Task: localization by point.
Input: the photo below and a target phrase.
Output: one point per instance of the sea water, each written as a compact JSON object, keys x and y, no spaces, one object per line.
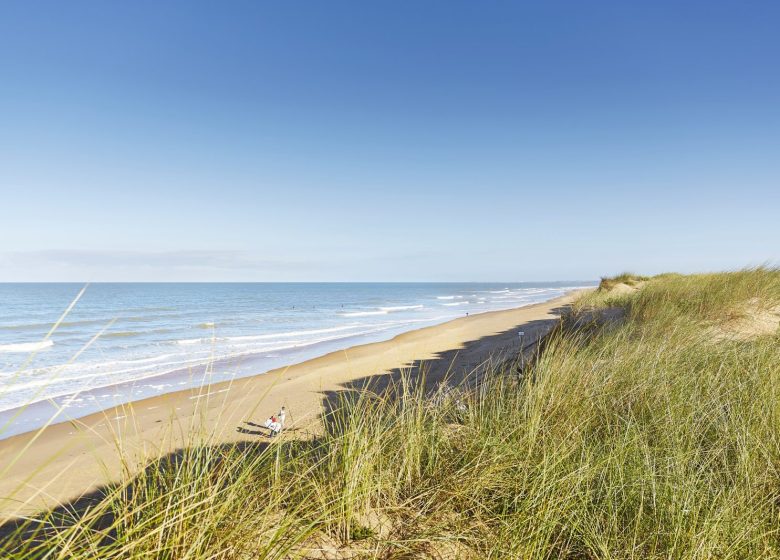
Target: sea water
{"x":123,"y":342}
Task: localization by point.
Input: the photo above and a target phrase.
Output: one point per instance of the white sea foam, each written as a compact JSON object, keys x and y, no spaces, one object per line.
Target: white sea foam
{"x":25,"y":346}
{"x":260,"y":337}
{"x":132,"y":359}
{"x":187,"y":341}
{"x":381,"y":311}
{"x":363,"y":313}
{"x":295,"y":333}
{"x":228,"y":349}
{"x":400,"y":308}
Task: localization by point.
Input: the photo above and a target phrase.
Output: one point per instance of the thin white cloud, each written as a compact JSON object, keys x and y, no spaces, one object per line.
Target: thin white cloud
{"x":112,"y":259}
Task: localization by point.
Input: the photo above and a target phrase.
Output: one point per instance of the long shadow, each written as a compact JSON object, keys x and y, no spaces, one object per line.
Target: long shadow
{"x":466,"y":367}
{"x":463,"y":367}
{"x":22,"y":536}
{"x":247,"y":431}
{"x":451,"y":368}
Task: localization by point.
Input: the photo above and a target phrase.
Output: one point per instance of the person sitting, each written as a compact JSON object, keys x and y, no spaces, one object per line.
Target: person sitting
{"x":276,"y":422}
{"x":273,"y":425}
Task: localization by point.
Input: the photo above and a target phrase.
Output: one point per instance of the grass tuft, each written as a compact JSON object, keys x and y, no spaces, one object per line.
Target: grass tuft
{"x":641,"y":440}
{"x":628,"y":278}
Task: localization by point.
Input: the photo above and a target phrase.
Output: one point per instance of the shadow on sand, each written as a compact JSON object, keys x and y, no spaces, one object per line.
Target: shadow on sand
{"x":452,"y":368}
{"x":461,"y":366}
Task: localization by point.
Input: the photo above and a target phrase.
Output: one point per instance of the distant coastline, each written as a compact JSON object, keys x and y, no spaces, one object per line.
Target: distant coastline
{"x":171,"y":338}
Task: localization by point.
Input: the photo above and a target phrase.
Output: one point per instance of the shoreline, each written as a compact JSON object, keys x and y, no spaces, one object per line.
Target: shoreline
{"x":77,"y":403}
{"x":31,"y":416}
{"x":44,"y":468}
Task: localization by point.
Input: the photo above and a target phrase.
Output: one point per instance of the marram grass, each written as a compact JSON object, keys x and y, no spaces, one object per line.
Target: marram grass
{"x":645,"y":438}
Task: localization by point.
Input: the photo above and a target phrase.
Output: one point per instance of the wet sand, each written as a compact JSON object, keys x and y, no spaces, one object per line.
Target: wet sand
{"x":51,"y":467}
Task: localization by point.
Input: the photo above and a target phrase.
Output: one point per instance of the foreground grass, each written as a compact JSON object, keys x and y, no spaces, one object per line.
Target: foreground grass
{"x":641,"y":439}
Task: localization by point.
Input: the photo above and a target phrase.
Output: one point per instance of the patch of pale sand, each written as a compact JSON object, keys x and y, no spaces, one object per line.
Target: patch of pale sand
{"x":321,"y":546}
{"x":378,"y":522}
{"x":383,"y":542}
{"x":622,"y":288}
{"x":749,"y":321}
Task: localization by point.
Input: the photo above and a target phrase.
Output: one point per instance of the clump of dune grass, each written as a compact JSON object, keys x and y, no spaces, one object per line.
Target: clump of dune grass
{"x":628,"y":278}
{"x":644,"y":440}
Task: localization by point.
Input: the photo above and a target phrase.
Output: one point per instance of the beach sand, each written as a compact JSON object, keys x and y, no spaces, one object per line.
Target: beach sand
{"x":54,"y":466}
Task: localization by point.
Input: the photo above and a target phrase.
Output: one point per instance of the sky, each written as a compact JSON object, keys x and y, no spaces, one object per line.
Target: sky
{"x":386,"y":141}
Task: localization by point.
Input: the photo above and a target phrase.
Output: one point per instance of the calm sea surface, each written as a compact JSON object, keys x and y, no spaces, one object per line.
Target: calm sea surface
{"x":148,"y":339}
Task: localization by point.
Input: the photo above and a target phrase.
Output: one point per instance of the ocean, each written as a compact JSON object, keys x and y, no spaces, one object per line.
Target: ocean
{"x":123,"y":342}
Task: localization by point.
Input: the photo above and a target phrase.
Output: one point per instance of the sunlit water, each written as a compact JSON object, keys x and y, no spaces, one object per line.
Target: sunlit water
{"x":157,"y":338}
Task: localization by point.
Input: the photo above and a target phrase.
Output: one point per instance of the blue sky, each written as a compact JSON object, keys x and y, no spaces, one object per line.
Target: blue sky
{"x":394,"y":141}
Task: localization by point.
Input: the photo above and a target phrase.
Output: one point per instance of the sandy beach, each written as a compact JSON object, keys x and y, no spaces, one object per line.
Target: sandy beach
{"x":63,"y":462}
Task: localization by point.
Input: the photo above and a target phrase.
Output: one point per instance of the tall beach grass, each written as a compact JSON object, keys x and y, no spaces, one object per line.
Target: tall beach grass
{"x":642,"y":437}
